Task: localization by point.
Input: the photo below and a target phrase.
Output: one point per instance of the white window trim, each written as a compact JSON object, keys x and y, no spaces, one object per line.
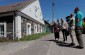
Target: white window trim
{"x":27,"y":29}
{"x":5,"y":34}
{"x":35,"y":30}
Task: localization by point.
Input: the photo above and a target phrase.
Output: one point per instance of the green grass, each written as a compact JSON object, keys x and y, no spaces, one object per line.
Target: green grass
{"x":83,"y":24}
{"x":33,"y":37}
{"x":83,"y":27}
{"x":3,"y":39}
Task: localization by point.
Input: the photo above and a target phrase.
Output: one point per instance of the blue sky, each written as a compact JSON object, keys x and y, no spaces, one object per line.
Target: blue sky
{"x":6,"y":2}
{"x":62,"y":8}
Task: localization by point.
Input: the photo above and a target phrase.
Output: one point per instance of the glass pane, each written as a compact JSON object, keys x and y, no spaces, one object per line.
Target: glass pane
{"x":1,"y":30}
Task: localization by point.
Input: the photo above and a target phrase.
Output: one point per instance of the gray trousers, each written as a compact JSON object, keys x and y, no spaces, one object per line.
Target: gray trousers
{"x":79,"y":36}
{"x":71,"y":34}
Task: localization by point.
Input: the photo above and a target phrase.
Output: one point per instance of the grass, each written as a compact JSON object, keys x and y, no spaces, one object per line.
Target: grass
{"x":83,"y":27}
{"x":4,"y":39}
{"x":25,"y":38}
{"x":33,"y":37}
{"x":83,"y":24}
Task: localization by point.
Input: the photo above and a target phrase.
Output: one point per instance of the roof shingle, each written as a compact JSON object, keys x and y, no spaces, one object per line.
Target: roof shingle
{"x":16,"y":6}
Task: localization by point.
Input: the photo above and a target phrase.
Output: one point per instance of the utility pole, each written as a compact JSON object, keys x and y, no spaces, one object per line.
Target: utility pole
{"x":52,"y":14}
{"x":52,"y":10}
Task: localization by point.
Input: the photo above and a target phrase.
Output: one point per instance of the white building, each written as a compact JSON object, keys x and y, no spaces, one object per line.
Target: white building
{"x":24,"y":18}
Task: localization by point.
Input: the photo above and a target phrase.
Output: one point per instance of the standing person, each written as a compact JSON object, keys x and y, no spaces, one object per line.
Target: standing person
{"x":78,"y":27}
{"x":56,"y":30}
{"x":64,"y":29}
{"x":72,"y":21}
{"x":71,"y":28}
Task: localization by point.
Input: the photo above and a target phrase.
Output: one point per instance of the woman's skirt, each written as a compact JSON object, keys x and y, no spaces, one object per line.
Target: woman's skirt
{"x":56,"y":35}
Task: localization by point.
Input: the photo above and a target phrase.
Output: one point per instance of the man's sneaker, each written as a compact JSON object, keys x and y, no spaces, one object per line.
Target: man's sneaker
{"x":79,"y":47}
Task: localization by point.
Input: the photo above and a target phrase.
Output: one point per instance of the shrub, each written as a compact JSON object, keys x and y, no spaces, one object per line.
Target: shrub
{"x":4,"y":39}
{"x":83,"y":27}
{"x":33,"y":37}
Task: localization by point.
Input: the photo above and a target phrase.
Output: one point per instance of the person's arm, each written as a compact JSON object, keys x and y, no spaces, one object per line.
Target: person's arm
{"x":77,"y":20}
{"x":66,"y":25}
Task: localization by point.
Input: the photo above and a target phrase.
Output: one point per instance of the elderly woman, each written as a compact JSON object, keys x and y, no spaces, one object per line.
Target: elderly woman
{"x":64,"y":29}
{"x":56,"y":30}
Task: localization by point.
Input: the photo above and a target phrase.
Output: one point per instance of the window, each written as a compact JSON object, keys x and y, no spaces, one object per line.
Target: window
{"x":28,"y":28}
{"x":2,"y":29}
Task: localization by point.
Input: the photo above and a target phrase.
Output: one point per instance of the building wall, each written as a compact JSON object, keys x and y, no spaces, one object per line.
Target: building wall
{"x":24,"y":23}
{"x":34,"y":11}
{"x":20,"y":26}
{"x":9,"y":25}
{"x":23,"y":26}
{"x":33,"y":30}
{"x":38,"y":29}
{"x":9,"y":30}
{"x":17,"y":26}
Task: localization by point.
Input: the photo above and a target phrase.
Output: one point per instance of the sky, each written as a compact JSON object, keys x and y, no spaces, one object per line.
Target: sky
{"x":62,"y":8}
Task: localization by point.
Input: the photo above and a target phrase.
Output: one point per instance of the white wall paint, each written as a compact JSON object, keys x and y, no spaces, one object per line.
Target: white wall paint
{"x":30,"y":11}
{"x":41,"y":29}
{"x":18,"y":26}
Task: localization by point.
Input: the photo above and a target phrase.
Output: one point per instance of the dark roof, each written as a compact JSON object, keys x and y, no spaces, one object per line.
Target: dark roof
{"x":16,"y":6}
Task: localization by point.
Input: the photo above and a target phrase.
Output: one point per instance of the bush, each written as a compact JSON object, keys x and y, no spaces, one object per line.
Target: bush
{"x":33,"y":37}
{"x":83,"y":27}
{"x":4,"y":39}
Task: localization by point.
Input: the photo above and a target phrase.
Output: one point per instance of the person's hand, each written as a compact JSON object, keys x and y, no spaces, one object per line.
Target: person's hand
{"x":66,"y":28}
{"x":58,"y":28}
